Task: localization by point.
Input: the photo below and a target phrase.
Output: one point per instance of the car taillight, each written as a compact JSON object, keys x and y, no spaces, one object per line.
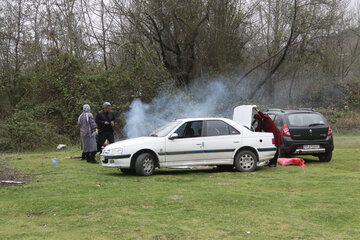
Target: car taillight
{"x":329,"y":130}
{"x":285,"y":132}
{"x":273,"y":141}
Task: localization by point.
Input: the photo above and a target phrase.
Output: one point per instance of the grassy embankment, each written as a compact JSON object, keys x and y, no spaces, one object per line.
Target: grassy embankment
{"x":76,"y":200}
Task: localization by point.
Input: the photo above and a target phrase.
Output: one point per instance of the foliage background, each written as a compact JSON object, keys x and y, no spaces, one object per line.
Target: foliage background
{"x":56,"y":56}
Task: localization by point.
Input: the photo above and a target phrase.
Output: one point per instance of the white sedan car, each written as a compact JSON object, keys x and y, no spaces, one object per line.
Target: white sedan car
{"x":192,"y":142}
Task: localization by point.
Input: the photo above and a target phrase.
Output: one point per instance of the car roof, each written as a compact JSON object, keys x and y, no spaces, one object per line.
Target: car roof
{"x":291,"y":111}
{"x":227,"y":120}
{"x":201,"y":119}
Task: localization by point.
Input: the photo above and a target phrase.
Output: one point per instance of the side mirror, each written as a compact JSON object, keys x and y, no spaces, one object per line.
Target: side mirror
{"x":173,"y":136}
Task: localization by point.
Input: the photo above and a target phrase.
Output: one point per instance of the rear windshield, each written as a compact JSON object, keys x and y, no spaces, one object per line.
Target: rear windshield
{"x":305,"y":119}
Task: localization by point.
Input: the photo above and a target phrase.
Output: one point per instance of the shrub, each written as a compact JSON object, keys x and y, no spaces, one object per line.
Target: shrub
{"x":22,"y":131}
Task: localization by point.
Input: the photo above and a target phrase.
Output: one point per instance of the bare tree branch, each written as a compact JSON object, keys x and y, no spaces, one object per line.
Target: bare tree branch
{"x":270,"y":74}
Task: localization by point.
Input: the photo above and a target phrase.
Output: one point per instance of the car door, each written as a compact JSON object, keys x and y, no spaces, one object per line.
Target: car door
{"x":187,"y":148}
{"x":220,"y":142}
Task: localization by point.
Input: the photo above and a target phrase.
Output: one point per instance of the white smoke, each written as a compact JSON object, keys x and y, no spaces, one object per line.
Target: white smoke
{"x":202,"y":99}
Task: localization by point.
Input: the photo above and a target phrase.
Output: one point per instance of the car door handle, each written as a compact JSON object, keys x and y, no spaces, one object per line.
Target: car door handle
{"x":199,"y":144}
{"x":236,"y":141}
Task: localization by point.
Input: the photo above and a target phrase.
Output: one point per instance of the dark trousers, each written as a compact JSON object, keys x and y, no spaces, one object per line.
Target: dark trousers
{"x":90,"y":156}
{"x":273,"y":161}
{"x":102,"y":138}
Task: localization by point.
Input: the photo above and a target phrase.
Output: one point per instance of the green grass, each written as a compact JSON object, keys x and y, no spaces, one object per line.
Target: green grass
{"x":76,"y":200}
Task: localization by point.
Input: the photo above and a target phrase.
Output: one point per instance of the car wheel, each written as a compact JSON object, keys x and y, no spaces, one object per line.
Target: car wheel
{"x":127,"y":170}
{"x":145,"y":164}
{"x":326,"y":157}
{"x":245,"y":161}
{"x":225,"y":168}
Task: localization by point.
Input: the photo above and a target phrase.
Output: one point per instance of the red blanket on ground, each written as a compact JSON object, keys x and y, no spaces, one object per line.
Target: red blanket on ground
{"x":291,"y":161}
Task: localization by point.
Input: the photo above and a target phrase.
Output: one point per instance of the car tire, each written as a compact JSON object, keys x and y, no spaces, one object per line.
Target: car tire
{"x":245,"y":161}
{"x":326,"y":157}
{"x":225,"y":168}
{"x":145,"y":164}
{"x":127,"y":170}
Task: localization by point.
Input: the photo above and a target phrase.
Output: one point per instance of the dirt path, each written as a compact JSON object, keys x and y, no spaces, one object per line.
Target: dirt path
{"x":7,"y":173}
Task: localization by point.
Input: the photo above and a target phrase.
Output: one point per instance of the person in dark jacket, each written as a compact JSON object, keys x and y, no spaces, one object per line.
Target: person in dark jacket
{"x":105,"y":120}
{"x":266,"y":124}
{"x":88,"y":133}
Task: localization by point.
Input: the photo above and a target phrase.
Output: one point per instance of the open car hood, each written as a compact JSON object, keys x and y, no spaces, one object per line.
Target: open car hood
{"x":243,"y":115}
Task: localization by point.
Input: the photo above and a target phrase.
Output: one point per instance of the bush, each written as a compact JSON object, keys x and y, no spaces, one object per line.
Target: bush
{"x":21,"y":131}
{"x":56,"y":90}
{"x":342,"y":121}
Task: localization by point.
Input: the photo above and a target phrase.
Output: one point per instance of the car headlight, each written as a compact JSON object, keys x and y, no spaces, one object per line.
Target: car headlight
{"x":116,"y":151}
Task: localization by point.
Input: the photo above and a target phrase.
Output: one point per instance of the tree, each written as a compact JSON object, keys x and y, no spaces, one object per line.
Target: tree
{"x":174,"y":27}
{"x":276,"y":33}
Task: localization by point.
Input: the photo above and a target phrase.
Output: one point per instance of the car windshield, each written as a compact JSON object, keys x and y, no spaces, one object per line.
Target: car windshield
{"x":164,"y":130}
{"x":305,"y":120}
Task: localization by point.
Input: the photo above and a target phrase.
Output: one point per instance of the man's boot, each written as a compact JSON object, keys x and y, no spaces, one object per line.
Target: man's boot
{"x":88,"y":157}
{"x":92,"y":157}
{"x":273,"y":162}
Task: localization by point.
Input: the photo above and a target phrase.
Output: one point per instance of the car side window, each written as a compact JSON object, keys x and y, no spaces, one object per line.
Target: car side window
{"x":219,"y":128}
{"x":190,"y":129}
{"x":233,"y":131}
{"x":272,"y":116}
{"x":278,"y":121}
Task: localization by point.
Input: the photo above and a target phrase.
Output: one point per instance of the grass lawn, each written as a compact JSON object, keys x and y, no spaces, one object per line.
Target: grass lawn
{"x":76,"y":200}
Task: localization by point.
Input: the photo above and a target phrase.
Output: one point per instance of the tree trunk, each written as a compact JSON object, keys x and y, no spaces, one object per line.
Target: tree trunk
{"x":271,"y":73}
{"x":17,"y":40}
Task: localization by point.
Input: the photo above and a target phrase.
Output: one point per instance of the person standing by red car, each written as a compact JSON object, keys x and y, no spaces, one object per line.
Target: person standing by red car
{"x":266,"y":124}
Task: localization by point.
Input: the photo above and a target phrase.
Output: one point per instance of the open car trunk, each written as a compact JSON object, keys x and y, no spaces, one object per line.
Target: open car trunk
{"x":243,"y":115}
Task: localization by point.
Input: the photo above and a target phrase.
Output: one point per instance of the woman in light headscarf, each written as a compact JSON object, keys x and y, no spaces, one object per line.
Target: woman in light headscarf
{"x":88,"y":133}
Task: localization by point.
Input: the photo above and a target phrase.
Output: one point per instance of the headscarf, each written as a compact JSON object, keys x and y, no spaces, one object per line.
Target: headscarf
{"x":86,"y":108}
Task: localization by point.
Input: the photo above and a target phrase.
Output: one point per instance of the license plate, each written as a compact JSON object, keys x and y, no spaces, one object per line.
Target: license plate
{"x":102,"y":158}
{"x":311,"y":146}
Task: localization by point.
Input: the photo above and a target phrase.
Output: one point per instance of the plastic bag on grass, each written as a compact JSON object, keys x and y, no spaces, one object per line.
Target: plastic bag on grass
{"x":291,"y":161}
